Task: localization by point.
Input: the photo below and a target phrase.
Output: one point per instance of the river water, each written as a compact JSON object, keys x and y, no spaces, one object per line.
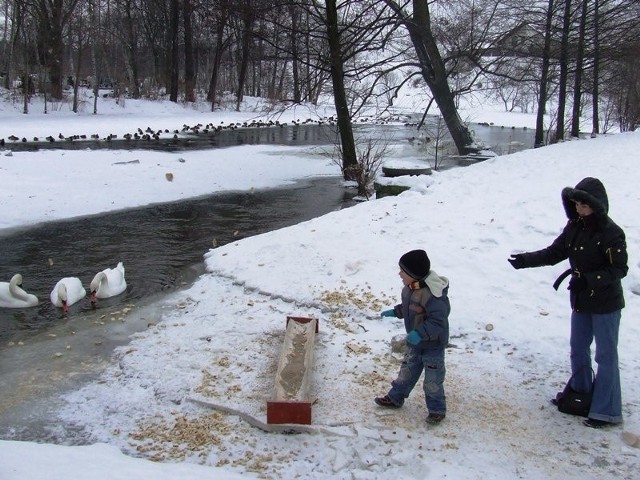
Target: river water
{"x":161,"y":246}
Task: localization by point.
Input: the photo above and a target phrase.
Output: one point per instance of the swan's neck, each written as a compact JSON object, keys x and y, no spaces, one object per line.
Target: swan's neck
{"x":62,"y":292}
{"x":97,"y":281}
{"x":18,"y":292}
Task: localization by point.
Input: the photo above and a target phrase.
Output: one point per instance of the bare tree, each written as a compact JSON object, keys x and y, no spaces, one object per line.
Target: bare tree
{"x":577,"y":82}
{"x":96,"y":44}
{"x":564,"y":71}
{"x":11,"y":24}
{"x":131,"y":45}
{"x":248,"y":15}
{"x":53,"y":19}
{"x":432,"y":68}
{"x":544,"y":77}
{"x":174,"y":52}
{"x":79,"y":34}
{"x":595,"y":94}
{"x":189,"y":68}
{"x":295,"y":14}
{"x":338,"y":35}
{"x":222,"y":41}
{"x":345,"y":129}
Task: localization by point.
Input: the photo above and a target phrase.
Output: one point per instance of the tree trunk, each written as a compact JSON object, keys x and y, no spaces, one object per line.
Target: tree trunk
{"x":55,"y":47}
{"x":271,"y":91}
{"x":345,"y":129}
{"x":76,"y":82}
{"x":294,"y":39}
{"x":595,"y":114}
{"x":95,"y":36}
{"x":220,"y":45}
{"x":247,"y":37}
{"x":12,"y":27}
{"x":256,"y":68}
{"x":577,"y":86}
{"x":173,"y":64}
{"x":52,"y":17}
{"x":280,"y":89}
{"x":433,"y":70}
{"x":311,"y":94}
{"x":26,"y":80}
{"x":564,"y":71}
{"x":189,"y":72}
{"x":544,"y":79}
{"x":132,"y":53}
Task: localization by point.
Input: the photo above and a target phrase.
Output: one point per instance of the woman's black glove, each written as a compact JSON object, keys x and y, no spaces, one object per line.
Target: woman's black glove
{"x":517,"y":261}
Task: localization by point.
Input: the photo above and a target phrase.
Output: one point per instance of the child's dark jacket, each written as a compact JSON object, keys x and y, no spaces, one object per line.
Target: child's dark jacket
{"x":426,"y":310}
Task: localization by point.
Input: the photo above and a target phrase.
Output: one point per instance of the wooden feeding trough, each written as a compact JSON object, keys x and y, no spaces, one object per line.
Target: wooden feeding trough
{"x":291,"y":402}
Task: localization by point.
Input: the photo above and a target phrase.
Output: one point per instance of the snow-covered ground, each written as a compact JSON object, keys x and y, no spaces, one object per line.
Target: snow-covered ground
{"x":219,"y":341}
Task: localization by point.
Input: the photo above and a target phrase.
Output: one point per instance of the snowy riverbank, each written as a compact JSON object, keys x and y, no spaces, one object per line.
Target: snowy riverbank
{"x":219,"y":340}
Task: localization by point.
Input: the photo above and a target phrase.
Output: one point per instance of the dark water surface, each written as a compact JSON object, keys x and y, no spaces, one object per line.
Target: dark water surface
{"x":161,"y":246}
{"x":44,"y":352}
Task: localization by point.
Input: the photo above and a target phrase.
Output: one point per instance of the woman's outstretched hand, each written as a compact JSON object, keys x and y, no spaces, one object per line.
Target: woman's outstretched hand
{"x":517,"y":261}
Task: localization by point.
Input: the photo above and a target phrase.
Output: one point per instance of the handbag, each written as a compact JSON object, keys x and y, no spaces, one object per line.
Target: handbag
{"x":575,"y":403}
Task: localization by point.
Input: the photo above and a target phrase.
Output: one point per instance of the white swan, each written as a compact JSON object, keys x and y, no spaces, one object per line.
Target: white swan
{"x":67,"y":291}
{"x":13,"y":296}
{"x":108,"y":283}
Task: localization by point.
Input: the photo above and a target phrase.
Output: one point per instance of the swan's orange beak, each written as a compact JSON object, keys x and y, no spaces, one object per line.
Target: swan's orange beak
{"x":65,"y":307}
{"x":93,"y":298}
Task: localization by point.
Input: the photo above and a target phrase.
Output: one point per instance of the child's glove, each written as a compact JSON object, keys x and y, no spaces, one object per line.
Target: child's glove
{"x":388,"y":313}
{"x":414,"y":337}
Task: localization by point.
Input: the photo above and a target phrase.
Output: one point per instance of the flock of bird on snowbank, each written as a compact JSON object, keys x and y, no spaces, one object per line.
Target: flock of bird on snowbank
{"x":69,"y":290}
{"x":156,"y":134}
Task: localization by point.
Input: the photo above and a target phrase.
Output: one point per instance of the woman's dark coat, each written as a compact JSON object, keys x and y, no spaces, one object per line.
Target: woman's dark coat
{"x":596,"y":249}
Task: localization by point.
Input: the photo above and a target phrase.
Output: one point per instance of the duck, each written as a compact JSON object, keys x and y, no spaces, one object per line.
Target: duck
{"x":67,"y":291}
{"x":13,"y":296}
{"x":108,"y":283}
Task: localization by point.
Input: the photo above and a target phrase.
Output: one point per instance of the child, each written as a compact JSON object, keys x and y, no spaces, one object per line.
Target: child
{"x":425,"y":309}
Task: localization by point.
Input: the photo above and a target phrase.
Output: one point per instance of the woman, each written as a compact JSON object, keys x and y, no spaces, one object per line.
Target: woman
{"x":597,"y":253}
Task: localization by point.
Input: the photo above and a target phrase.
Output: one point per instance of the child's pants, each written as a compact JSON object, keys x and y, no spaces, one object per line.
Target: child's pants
{"x":416,"y":360}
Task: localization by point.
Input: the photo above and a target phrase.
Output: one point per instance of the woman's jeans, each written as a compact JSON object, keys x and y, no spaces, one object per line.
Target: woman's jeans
{"x":606,"y":404}
{"x":416,"y":360}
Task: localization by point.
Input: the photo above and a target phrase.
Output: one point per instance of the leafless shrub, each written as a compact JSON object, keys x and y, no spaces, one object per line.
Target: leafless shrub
{"x":370,"y":154}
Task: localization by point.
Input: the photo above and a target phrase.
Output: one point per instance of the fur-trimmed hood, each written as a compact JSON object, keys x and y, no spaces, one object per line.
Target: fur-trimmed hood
{"x":436,"y":283}
{"x":589,"y":190}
